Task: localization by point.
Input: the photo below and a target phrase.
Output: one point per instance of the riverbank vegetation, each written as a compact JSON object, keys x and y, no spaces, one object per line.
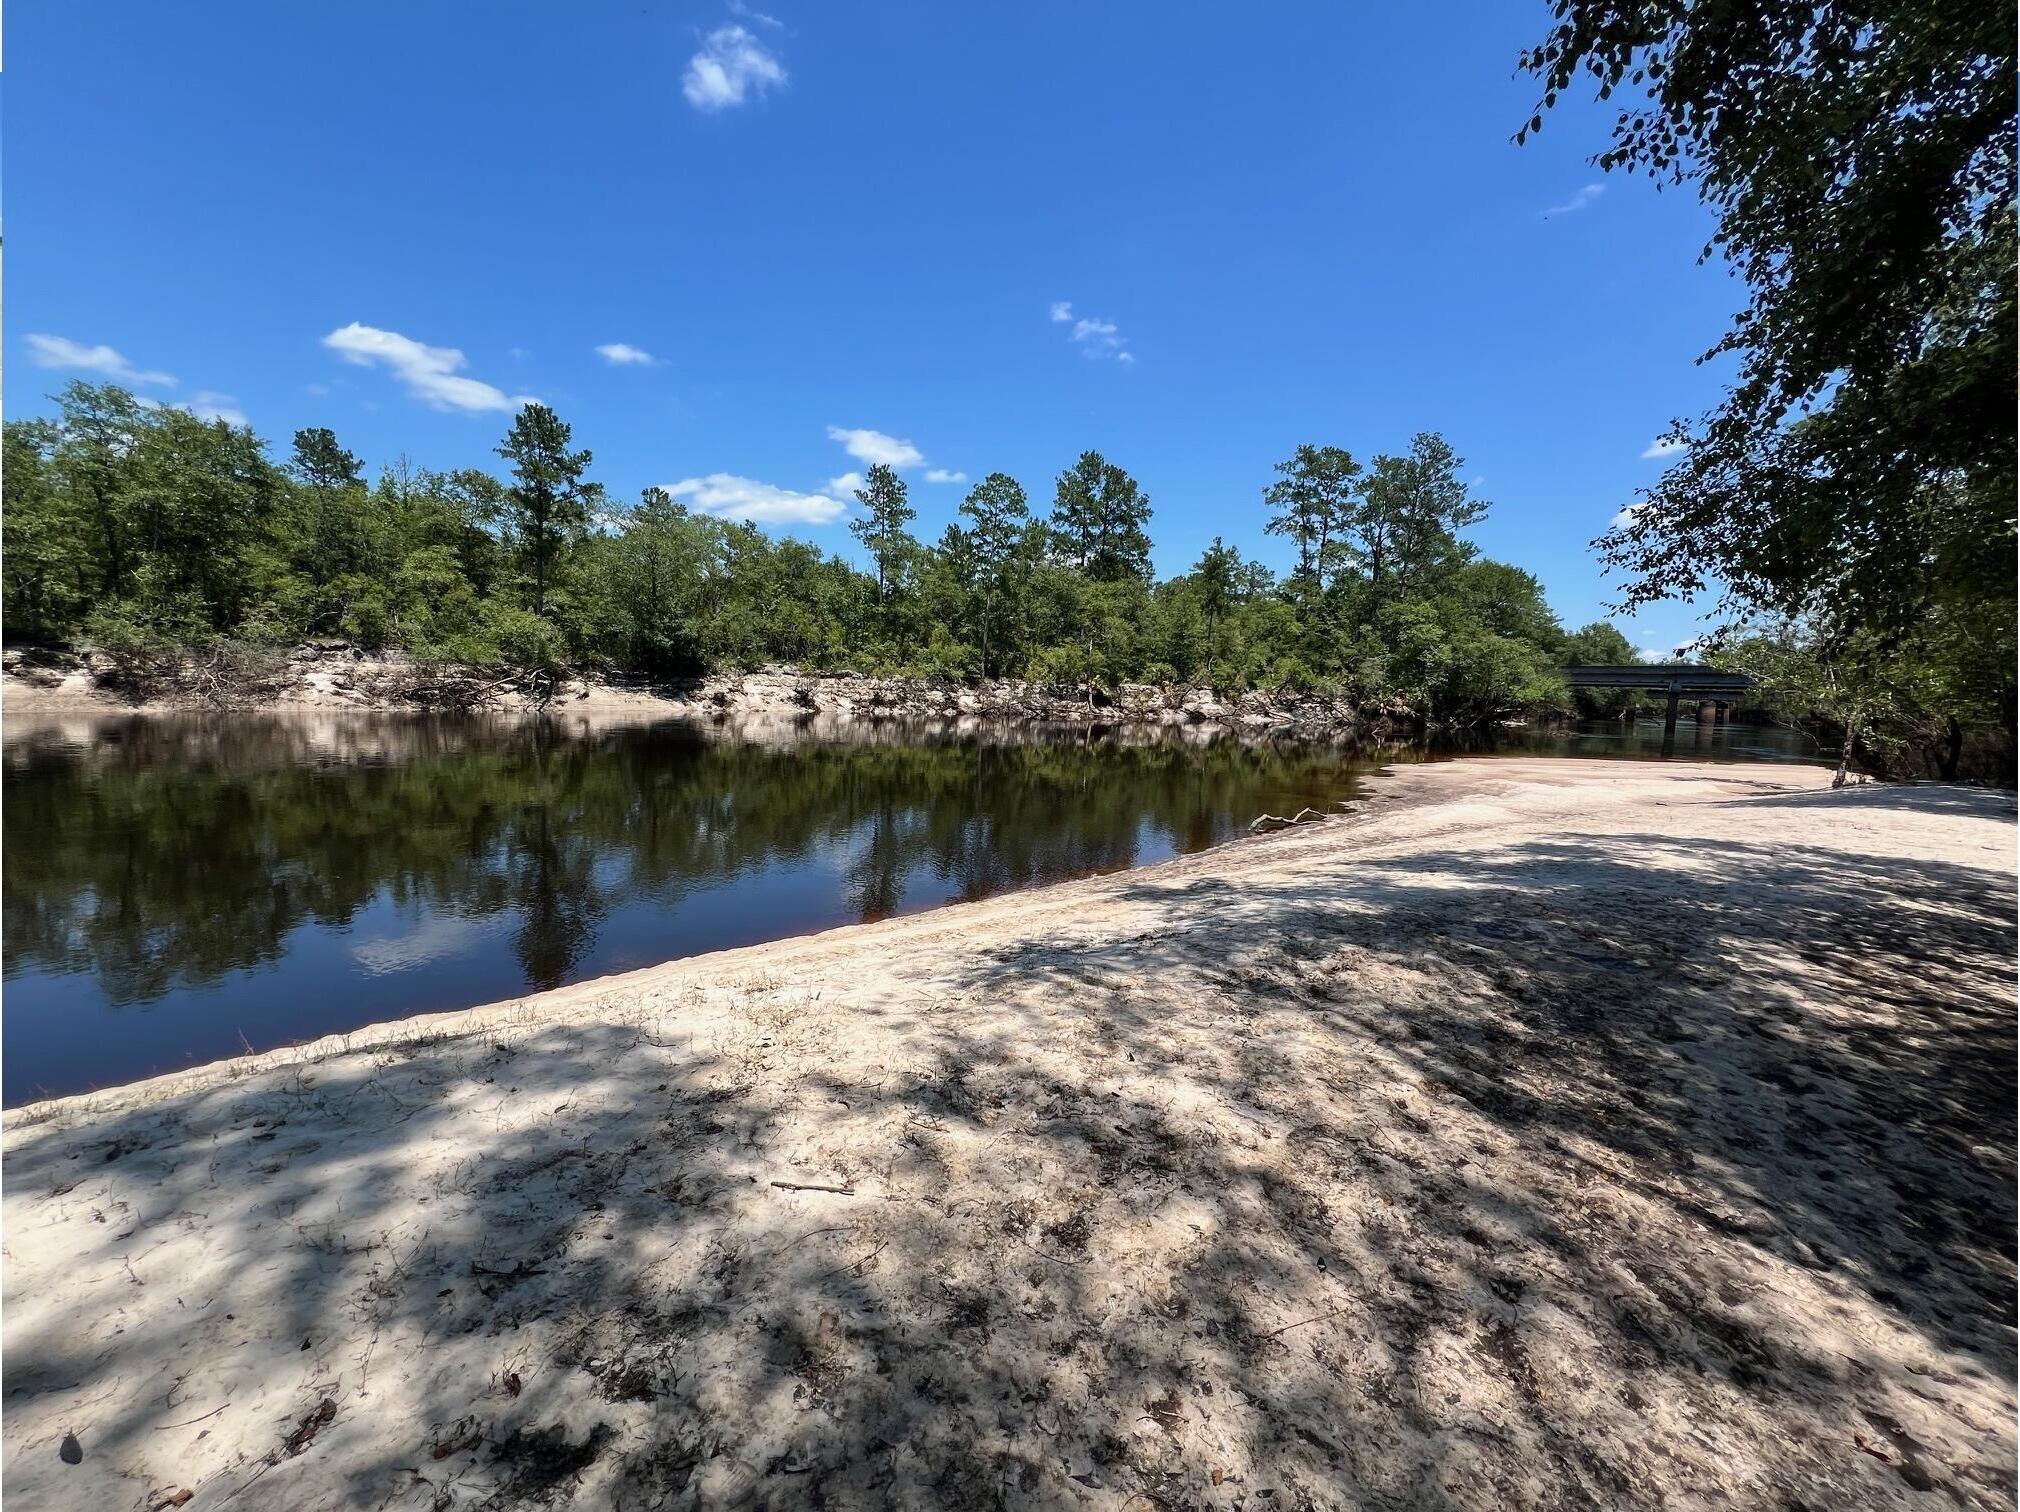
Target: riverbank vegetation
{"x":140,"y":528}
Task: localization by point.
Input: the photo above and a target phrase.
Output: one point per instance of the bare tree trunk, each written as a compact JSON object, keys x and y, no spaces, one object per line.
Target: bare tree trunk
{"x":1839,"y":778}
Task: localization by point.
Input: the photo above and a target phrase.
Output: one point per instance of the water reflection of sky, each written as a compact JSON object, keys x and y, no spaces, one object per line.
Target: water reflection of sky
{"x":413,"y":938}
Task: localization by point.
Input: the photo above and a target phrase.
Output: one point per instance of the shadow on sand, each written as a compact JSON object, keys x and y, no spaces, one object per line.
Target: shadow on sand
{"x":1597,"y":1171}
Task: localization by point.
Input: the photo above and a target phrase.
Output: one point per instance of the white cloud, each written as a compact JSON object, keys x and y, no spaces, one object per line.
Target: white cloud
{"x":1667,"y":446}
{"x":1095,"y":338}
{"x":61,"y":352}
{"x":624,"y":354}
{"x":728,"y":497}
{"x":1584,"y":197}
{"x":1670,"y":653}
{"x":846,"y":485}
{"x":944,"y":475}
{"x":738,"y":8}
{"x":431,"y":374}
{"x":731,"y":64}
{"x":206,"y":405}
{"x":874,"y":446}
{"x":1625,"y":515}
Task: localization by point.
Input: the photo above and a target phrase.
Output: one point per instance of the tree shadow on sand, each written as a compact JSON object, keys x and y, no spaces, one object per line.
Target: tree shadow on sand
{"x":1596,"y":1171}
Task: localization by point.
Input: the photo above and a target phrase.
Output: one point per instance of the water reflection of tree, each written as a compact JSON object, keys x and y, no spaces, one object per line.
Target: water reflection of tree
{"x":557,"y":900}
{"x":157,"y":854}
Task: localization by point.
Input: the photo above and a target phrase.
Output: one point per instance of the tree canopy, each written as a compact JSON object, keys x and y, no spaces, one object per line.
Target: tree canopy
{"x":1858,"y":476}
{"x":135,"y":525}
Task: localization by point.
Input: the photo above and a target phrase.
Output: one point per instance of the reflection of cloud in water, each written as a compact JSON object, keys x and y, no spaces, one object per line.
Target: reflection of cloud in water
{"x":433,"y":939}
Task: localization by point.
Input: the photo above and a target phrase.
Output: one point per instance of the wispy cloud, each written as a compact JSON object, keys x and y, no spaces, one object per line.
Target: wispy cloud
{"x":74,"y":356}
{"x":1667,"y":446}
{"x":738,"y":8}
{"x":431,"y":374}
{"x":1580,"y":201}
{"x":206,"y":405}
{"x":731,"y":67}
{"x":624,"y":354}
{"x":729,"y":497}
{"x":1625,"y":515}
{"x":1096,"y":338}
{"x":871,"y":447}
{"x":846,"y":485}
{"x":945,"y":475}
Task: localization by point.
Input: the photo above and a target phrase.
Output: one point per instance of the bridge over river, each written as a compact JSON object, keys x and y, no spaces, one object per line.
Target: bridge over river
{"x":1714,"y":690}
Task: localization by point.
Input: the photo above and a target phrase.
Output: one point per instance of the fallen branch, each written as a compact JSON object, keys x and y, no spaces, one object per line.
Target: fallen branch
{"x":163,"y":1428}
{"x":814,"y":1186}
{"x":1317,"y":1318}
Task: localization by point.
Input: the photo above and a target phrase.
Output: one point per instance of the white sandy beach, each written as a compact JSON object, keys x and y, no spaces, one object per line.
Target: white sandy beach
{"x":1548,"y":1133}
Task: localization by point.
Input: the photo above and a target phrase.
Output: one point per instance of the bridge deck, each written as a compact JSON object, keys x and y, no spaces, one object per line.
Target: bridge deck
{"x":1656,"y":679}
{"x":1676,"y":681}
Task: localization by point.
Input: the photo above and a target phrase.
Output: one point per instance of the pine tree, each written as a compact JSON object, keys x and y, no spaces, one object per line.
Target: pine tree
{"x":548,"y":503}
{"x":882,"y":529}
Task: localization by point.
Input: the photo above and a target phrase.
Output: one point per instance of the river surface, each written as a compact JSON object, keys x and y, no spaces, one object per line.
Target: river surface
{"x":176,"y":890}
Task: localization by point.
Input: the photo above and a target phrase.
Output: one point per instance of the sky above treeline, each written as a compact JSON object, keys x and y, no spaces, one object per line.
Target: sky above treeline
{"x":746,"y":253}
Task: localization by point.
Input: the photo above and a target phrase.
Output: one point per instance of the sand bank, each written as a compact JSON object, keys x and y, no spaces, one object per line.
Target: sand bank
{"x":1550,"y":1133}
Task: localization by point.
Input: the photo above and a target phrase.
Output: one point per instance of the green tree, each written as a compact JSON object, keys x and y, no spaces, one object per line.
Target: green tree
{"x":99,"y":429}
{"x":322,"y":464}
{"x":333,"y":537}
{"x":998,"y":510}
{"x":662,"y":559}
{"x":1315,"y":500}
{"x":1102,"y":517}
{"x":1860,"y":160}
{"x":1598,"y":644}
{"x":1405,"y":530}
{"x":1218,"y":575}
{"x":203,"y":494}
{"x":882,"y":528}
{"x":548,"y":504}
{"x":44,"y":569}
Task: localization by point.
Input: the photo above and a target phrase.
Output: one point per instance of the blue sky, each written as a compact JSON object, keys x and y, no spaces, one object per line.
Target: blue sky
{"x":749,"y":252}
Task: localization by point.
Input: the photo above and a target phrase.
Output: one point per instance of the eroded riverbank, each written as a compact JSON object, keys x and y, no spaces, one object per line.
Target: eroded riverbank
{"x":336,"y":677}
{"x":1551,"y":1131}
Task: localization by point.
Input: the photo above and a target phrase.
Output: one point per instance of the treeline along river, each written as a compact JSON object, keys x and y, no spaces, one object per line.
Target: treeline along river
{"x":182,"y":889}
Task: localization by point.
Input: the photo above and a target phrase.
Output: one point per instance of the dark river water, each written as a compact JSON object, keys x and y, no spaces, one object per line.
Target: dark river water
{"x":178,"y":890}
